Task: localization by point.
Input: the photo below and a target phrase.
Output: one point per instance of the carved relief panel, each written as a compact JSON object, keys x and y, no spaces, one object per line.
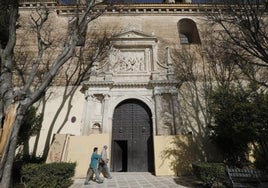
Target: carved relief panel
{"x":127,"y":61}
{"x":132,"y":54}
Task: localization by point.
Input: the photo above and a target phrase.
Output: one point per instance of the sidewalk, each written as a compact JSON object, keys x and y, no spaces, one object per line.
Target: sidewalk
{"x":135,"y":180}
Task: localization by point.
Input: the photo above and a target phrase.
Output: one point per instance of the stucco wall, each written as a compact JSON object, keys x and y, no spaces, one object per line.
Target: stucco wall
{"x":80,"y":148}
{"x":173,"y":155}
{"x":162,"y":164}
{"x":71,"y":110}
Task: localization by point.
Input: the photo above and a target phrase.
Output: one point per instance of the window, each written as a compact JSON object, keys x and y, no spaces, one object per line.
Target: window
{"x":188,"y":32}
{"x":184,"y":39}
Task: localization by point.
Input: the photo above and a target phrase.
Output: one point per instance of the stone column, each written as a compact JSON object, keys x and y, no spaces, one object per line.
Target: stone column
{"x":87,"y":114}
{"x":176,"y":111}
{"x":167,"y":116}
{"x":158,"y":109}
{"x":105,"y":109}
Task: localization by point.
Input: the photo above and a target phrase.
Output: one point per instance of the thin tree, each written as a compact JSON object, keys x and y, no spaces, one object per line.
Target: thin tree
{"x":14,"y":100}
{"x":79,"y":73}
{"x":202,"y":68}
{"x":244,"y":25}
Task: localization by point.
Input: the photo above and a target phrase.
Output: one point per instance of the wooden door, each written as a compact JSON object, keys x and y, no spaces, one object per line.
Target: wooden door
{"x":132,"y":144}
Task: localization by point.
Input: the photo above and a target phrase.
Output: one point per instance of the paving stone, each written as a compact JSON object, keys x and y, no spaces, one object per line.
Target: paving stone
{"x":131,"y":180}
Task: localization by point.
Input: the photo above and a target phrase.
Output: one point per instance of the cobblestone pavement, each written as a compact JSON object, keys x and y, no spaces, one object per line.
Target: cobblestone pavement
{"x":133,"y":180}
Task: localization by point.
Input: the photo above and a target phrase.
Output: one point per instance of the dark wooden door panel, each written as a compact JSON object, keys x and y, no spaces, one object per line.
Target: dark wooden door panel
{"x":117,"y":156}
{"x":132,"y":124}
{"x":120,"y":155}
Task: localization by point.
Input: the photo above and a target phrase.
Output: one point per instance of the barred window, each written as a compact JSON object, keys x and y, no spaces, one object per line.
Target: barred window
{"x":188,"y":32}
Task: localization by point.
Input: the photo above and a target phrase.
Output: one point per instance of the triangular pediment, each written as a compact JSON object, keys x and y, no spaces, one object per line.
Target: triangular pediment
{"x":133,"y":35}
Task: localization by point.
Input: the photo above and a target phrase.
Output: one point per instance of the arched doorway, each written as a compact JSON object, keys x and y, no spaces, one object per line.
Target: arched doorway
{"x":132,"y":142}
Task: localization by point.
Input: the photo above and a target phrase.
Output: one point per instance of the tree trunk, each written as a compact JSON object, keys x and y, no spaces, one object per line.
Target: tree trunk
{"x":10,"y":147}
{"x":10,"y":116}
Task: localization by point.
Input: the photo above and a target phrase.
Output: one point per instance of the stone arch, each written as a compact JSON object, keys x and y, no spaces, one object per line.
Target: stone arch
{"x":132,"y":137}
{"x":188,"y":32}
{"x":148,"y":101}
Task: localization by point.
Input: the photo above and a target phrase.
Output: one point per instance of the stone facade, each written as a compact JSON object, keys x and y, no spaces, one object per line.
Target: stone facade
{"x":138,"y":66}
{"x":132,"y":71}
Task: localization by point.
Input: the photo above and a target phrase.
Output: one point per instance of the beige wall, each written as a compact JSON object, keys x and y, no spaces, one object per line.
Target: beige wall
{"x":51,"y":108}
{"x":162,"y":164}
{"x":80,"y":148}
{"x":173,"y":155}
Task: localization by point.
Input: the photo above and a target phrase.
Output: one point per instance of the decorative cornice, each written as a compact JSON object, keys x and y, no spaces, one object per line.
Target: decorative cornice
{"x":98,"y":83}
{"x":131,"y":84}
{"x":133,"y":35}
{"x":162,"y":83}
{"x":35,"y":4}
{"x":152,"y":9}
{"x":95,"y":84}
{"x":111,"y":84}
{"x":126,"y":9}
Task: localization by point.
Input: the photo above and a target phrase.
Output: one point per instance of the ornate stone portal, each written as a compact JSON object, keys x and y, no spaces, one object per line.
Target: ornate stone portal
{"x":132,"y":71}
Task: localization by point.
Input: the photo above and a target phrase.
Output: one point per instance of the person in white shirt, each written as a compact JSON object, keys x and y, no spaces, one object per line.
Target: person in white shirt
{"x":103,"y":163}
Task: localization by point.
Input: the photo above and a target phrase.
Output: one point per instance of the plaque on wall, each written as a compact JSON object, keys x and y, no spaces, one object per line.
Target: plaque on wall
{"x":127,"y":61}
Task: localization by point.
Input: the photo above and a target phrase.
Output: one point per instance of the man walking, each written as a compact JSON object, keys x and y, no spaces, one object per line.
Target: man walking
{"x":93,"y":167}
{"x":103,"y":163}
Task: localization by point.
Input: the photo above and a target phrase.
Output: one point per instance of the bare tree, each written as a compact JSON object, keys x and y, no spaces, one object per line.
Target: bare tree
{"x":244,"y":26}
{"x":202,"y":68}
{"x":15,"y":97}
{"x":80,"y":67}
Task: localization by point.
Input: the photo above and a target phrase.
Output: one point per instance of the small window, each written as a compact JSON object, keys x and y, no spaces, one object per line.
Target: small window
{"x":184,"y":39}
{"x":188,"y":32}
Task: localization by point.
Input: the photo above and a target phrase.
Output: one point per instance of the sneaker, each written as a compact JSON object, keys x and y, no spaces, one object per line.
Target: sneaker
{"x":99,"y":181}
{"x":86,"y":183}
{"x":110,"y":177}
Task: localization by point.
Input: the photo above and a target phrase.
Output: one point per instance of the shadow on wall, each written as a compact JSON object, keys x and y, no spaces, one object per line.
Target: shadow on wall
{"x":183,"y":150}
{"x":181,"y":153}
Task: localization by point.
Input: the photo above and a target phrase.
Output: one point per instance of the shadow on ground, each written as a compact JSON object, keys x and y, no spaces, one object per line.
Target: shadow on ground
{"x":188,"y":181}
